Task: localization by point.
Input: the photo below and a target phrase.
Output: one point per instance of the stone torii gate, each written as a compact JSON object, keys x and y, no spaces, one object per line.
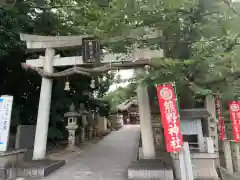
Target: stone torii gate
{"x":49,"y":44}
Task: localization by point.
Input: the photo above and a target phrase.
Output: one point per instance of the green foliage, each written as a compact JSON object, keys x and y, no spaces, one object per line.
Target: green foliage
{"x":24,"y":86}
{"x":200,"y":40}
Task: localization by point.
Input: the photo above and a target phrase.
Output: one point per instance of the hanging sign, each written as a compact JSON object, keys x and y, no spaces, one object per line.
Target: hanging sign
{"x":5,"y":120}
{"x":170,"y":117}
{"x":221,"y":124}
{"x":91,"y":50}
{"x":234,"y":111}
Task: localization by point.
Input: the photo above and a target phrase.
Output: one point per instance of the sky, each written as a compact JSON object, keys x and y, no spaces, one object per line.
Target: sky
{"x":125,"y":74}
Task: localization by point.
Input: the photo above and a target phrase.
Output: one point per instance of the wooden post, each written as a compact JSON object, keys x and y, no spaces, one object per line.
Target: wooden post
{"x":40,"y":142}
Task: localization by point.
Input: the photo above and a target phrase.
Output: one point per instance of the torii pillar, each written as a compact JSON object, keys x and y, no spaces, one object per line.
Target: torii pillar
{"x":41,"y":134}
{"x":148,"y":147}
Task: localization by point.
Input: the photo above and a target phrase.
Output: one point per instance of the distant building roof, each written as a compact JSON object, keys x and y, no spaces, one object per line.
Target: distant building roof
{"x":126,"y":104}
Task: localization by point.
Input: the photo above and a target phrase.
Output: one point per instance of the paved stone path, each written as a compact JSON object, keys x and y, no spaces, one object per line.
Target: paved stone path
{"x":107,"y":160}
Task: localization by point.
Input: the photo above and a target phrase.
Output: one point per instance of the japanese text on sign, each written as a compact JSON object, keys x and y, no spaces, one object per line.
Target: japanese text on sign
{"x":5,"y":118}
{"x":220,"y":119}
{"x":170,"y":117}
{"x":234,"y":110}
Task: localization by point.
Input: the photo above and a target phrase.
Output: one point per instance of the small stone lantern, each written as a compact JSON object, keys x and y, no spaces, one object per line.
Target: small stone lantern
{"x":72,"y":126}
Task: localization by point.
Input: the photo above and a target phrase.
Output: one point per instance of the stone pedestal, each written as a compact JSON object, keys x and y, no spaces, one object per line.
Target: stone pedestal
{"x":71,"y":136}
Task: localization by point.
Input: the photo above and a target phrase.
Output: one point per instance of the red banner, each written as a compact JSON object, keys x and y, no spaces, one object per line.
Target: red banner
{"x":220,"y":119}
{"x":234,"y":111}
{"x":170,"y":117}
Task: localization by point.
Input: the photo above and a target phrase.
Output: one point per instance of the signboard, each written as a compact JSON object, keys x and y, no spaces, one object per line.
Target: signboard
{"x":234,"y":111}
{"x":221,"y":124}
{"x":5,"y":120}
{"x":170,"y":117}
{"x":91,"y":50}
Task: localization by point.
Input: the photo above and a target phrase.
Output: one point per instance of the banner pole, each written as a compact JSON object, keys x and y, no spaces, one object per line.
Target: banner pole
{"x":177,"y":102}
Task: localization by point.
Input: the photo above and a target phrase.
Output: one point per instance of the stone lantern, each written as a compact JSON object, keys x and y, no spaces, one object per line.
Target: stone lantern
{"x":72,"y":126}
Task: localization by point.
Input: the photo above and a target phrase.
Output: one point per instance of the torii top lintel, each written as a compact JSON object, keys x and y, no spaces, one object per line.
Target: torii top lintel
{"x":42,"y":42}
{"x":37,"y":42}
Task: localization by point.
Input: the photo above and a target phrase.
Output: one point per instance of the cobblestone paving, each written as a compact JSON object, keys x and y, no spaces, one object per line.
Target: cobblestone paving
{"x":106,"y":160}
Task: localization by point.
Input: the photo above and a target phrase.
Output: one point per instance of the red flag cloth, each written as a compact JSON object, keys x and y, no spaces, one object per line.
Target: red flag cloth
{"x":220,"y":119}
{"x":170,"y":117}
{"x":234,"y":111}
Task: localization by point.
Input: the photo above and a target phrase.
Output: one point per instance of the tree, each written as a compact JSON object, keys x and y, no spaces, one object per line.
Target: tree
{"x":198,"y":53}
{"x":200,"y":43}
{"x":25,"y":86}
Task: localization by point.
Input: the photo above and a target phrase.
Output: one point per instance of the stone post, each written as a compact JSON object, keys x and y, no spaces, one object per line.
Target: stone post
{"x":84,"y":123}
{"x":90,"y":133}
{"x":210,"y":105}
{"x":91,"y":126}
{"x":187,"y":160}
{"x":83,"y":113}
{"x":182,"y":163}
{"x":145,"y":123}
{"x":227,"y":156}
{"x":212,"y":122}
{"x":82,"y":134}
{"x":209,"y":145}
{"x":41,"y":134}
{"x":235,"y":156}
